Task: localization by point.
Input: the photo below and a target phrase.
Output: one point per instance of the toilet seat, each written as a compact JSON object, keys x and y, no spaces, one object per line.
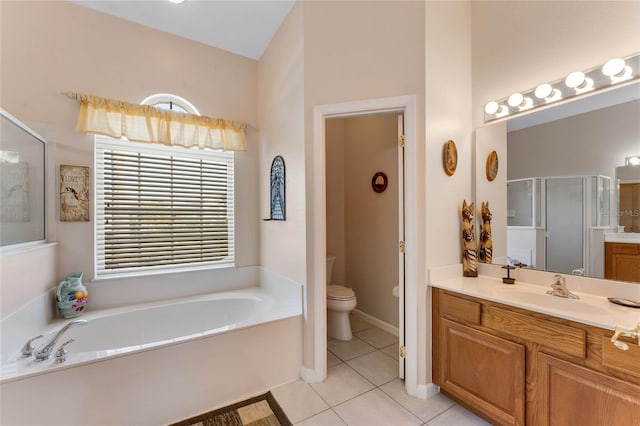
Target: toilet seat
{"x":339,"y":292}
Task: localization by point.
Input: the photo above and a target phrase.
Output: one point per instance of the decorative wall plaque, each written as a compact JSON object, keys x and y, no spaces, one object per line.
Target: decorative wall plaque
{"x":278,"y":211}
{"x":449,"y":157}
{"x":74,"y":193}
{"x":492,"y":166}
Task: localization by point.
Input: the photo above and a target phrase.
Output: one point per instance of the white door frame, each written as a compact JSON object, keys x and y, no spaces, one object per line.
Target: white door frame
{"x":407,"y":105}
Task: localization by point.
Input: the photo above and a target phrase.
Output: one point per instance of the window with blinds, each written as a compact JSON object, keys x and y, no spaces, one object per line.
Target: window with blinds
{"x":160,"y":208}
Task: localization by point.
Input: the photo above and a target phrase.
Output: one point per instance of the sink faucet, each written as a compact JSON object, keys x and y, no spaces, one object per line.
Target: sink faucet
{"x":45,"y":352}
{"x":559,"y":288}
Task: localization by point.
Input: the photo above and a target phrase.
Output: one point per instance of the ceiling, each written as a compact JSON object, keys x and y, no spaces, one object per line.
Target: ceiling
{"x":244,"y":27}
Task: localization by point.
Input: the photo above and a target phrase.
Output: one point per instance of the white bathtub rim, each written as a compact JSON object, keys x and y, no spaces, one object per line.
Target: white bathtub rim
{"x":23,"y":368}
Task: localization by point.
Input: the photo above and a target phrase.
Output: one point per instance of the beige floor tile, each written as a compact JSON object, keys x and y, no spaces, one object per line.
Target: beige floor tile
{"x":377,"y":338}
{"x":342,"y":383}
{"x":457,"y":416}
{"x":376,"y":367}
{"x":425,"y":409}
{"x":298,"y":400}
{"x":332,"y":360}
{"x":346,"y":350}
{"x":358,"y":324}
{"x":375,"y":408}
{"x":326,"y":418}
{"x":392,"y":350}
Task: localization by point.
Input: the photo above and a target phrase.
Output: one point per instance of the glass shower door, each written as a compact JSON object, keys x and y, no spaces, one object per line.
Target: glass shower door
{"x":565,"y":224}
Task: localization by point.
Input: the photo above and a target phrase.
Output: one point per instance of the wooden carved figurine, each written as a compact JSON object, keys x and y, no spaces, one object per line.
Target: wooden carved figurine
{"x":469,"y":253}
{"x":485,"y":251}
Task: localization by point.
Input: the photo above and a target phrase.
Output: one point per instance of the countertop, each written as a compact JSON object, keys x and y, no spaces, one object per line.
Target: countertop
{"x":590,"y":309}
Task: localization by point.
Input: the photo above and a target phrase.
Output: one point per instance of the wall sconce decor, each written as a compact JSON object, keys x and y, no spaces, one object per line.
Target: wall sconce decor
{"x":449,"y":157}
{"x":379,"y":182}
{"x":615,"y":72}
{"x":278,"y":194}
{"x":492,"y":166}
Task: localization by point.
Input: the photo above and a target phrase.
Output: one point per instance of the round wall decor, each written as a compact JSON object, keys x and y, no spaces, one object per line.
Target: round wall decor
{"x":379,"y":182}
{"x":449,"y":157}
{"x":492,"y":166}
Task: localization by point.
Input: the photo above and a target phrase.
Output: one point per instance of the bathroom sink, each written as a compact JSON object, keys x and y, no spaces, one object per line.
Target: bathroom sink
{"x":544,"y":300}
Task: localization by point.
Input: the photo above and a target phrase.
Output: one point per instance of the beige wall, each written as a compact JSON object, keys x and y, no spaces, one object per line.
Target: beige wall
{"x":369,"y":229}
{"x":280,"y":111}
{"x":53,"y":47}
{"x":355,"y":51}
{"x":448,"y":116}
{"x":335,"y":174}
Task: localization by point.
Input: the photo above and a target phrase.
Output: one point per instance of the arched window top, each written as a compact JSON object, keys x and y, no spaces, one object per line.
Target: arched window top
{"x":171,"y":103}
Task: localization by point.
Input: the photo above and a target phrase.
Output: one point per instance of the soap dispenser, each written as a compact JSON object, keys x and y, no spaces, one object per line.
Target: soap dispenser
{"x":72,"y":296}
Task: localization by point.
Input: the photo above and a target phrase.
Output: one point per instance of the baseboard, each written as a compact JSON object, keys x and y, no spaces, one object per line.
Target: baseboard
{"x":378,"y":323}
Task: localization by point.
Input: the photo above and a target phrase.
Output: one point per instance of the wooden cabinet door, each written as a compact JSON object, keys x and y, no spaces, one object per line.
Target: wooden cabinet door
{"x":574,"y":395}
{"x":622,"y":261}
{"x":485,"y":371}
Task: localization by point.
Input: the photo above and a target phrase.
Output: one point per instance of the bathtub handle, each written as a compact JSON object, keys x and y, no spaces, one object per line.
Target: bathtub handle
{"x":61,"y":353}
{"x":27,"y":349}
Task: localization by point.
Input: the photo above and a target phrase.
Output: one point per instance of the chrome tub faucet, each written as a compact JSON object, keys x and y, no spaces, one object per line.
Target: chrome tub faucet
{"x":559,"y":288}
{"x":45,"y":352}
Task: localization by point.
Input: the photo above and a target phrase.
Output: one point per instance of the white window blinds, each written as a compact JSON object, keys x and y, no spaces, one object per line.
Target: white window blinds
{"x":161,"y":208}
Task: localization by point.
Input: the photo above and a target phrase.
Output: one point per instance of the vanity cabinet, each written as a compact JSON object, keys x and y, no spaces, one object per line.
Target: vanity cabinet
{"x":515,"y":367}
{"x":622,"y":261}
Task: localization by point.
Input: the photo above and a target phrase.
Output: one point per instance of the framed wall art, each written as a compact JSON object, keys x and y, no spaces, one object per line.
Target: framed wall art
{"x":74,"y":193}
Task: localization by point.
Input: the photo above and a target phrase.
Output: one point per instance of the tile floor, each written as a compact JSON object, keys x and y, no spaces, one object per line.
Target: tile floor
{"x":363,"y":388}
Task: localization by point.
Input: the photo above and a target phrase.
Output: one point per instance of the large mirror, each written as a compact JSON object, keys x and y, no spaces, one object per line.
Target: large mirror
{"x":564,"y":190}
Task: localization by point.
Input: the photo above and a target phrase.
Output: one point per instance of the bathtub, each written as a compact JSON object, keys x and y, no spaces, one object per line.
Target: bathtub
{"x":158,"y":362}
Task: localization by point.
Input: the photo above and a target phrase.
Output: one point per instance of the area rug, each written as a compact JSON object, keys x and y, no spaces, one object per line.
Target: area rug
{"x":262,"y":410}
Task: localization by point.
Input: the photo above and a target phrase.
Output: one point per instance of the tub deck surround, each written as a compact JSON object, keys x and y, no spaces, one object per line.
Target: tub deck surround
{"x":592,"y":308}
{"x":123,"y":330}
{"x":173,"y":359}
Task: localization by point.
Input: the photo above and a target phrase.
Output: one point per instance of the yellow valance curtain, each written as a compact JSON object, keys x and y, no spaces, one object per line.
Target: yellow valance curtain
{"x":146,"y":123}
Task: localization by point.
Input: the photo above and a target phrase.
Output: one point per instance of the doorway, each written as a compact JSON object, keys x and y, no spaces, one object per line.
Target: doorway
{"x":408,"y":339}
{"x":364,"y":205}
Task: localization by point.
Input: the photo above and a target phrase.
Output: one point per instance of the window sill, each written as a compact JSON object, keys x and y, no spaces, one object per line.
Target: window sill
{"x":132,"y":274}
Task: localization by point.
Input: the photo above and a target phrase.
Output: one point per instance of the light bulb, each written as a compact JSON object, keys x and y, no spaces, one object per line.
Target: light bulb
{"x":543,"y":91}
{"x":613,"y":67}
{"x":491,"y":108}
{"x":575,"y":79}
{"x":515,"y":99}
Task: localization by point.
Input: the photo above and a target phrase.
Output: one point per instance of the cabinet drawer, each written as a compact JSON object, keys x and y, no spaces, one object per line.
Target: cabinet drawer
{"x":458,"y":309}
{"x":624,"y":248}
{"x":627,"y":361}
{"x":560,"y":337}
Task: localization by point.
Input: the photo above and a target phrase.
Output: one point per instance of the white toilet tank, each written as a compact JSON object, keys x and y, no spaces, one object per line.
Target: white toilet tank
{"x":330,"y":260}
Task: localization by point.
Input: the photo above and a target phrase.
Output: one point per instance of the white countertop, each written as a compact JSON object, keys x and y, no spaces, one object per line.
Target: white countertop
{"x":622,"y":237}
{"x":589,"y":309}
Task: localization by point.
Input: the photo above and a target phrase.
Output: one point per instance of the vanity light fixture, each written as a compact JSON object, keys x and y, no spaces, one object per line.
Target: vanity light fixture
{"x":176,"y":1}
{"x":615,"y":71}
{"x":634,"y":160}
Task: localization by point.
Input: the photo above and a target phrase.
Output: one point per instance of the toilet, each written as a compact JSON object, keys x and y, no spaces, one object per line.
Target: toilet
{"x":341,"y":301}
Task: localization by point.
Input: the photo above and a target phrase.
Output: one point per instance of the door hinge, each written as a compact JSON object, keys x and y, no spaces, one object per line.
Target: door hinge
{"x":401,"y":246}
{"x":401,"y":141}
{"x":403,"y":351}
